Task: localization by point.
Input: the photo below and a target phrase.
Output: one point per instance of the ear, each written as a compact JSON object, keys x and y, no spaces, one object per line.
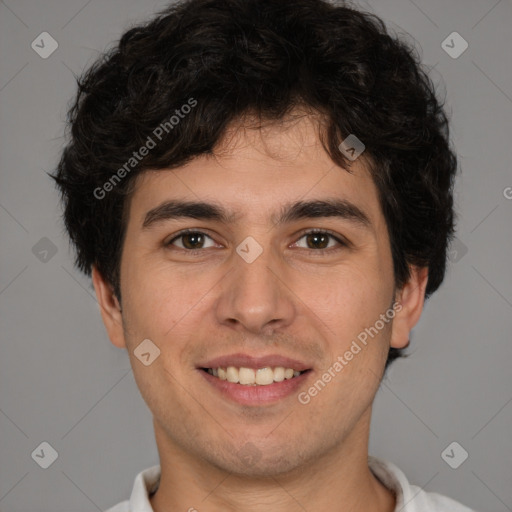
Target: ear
{"x":110,"y":309}
{"x":411,"y":299}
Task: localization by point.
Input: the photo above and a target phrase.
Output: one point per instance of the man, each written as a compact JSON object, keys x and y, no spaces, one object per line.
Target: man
{"x":262,"y":193}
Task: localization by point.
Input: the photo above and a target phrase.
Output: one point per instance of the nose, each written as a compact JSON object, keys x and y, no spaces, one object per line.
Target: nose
{"x":257,"y":296}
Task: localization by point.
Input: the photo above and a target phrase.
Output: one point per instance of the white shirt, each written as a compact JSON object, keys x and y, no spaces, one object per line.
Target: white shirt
{"x":409,"y":498}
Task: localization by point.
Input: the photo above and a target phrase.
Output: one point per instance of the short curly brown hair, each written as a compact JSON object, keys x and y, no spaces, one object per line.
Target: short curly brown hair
{"x":264,"y":56}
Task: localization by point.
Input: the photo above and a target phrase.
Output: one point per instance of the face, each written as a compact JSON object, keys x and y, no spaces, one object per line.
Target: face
{"x":294,"y":290}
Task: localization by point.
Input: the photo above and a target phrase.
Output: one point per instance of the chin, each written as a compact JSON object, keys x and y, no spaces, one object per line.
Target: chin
{"x":253,"y":462}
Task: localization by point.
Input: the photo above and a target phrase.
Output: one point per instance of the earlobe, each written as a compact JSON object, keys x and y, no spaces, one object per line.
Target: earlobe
{"x":110,"y":309}
{"x":411,"y":299}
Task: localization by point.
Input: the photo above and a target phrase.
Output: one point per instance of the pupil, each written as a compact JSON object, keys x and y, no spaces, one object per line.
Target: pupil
{"x":316,"y":237}
{"x":189,"y":236}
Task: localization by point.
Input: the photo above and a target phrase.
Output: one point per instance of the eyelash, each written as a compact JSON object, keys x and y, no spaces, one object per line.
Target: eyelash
{"x":319,"y":252}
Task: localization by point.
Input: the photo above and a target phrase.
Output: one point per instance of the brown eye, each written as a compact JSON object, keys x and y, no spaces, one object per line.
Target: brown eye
{"x":191,"y":240}
{"x":319,"y":240}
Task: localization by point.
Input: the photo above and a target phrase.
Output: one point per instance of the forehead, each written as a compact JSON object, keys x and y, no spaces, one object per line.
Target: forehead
{"x":254,"y":171}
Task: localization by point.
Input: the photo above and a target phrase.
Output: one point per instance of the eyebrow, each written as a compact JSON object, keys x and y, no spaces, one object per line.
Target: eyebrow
{"x":290,"y":212}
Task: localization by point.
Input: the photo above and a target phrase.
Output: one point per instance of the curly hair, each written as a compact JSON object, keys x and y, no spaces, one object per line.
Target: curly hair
{"x":233,"y":57}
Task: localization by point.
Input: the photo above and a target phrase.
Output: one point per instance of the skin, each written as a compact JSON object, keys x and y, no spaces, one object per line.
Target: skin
{"x":288,"y":301}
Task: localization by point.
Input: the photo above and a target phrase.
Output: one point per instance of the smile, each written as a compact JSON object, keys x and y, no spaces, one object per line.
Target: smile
{"x":246,"y":391}
{"x":253,"y":377}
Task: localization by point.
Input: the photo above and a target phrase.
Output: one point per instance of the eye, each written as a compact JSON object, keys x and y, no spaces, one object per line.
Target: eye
{"x":191,"y":240}
{"x":318,"y":240}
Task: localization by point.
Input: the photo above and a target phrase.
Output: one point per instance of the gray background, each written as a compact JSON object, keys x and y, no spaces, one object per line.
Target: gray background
{"x":61,"y":381}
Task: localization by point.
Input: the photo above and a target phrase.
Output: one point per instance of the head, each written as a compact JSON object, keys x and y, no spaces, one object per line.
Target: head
{"x":246,"y":104}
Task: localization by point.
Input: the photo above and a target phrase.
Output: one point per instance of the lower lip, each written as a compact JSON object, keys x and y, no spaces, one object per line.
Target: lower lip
{"x":256,"y":395}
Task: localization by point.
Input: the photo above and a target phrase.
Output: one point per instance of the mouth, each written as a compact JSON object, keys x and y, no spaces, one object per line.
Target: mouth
{"x":254,"y":377}
{"x":255,"y":381}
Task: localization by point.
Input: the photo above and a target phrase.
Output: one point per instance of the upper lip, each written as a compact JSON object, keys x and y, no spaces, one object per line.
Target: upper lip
{"x":238,"y":360}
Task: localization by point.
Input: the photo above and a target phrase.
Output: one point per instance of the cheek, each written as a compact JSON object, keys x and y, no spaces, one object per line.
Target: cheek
{"x":158,"y":292}
{"x":348,"y":298}
{"x":170,"y":307}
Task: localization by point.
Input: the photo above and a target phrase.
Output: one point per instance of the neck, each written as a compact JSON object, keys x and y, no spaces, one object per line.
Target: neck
{"x":339,"y":480}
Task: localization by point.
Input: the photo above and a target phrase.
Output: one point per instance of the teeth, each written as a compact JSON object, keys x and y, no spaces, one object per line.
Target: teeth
{"x":279,"y":374}
{"x":264,"y":376}
{"x":250,"y":377}
{"x":232,"y":374}
{"x":246,"y":376}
